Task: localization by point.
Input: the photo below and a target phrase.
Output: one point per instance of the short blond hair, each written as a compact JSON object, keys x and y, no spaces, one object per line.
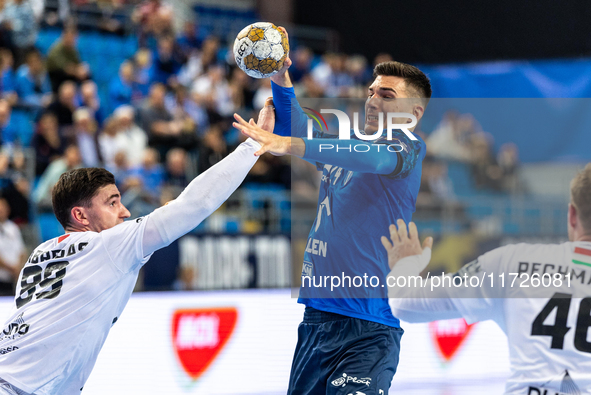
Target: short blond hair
{"x":580,"y":195}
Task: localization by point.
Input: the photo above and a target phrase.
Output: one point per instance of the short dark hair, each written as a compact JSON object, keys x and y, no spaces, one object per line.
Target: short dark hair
{"x":413,"y":77}
{"x":77,"y":187}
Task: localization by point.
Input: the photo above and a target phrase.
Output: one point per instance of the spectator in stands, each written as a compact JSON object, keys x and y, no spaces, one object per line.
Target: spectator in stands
{"x":42,"y":193}
{"x":131,"y":139}
{"x":64,"y":106}
{"x":5,"y":34}
{"x":241,"y":87}
{"x":153,"y":18}
{"x":12,"y":251}
{"x":382,"y":57}
{"x":451,"y":139}
{"x":213,"y":148}
{"x":212,"y":91}
{"x":121,"y":88}
{"x":14,"y":186}
{"x":63,"y":60}
{"x":23,"y":25}
{"x":167,"y":62}
{"x":32,"y":82}
{"x":107,"y":142}
{"x":322,"y":73}
{"x":356,"y":67}
{"x":436,"y":188}
{"x":150,"y":172}
{"x":339,"y":82}
{"x":176,"y":177}
{"x":263,"y":92}
{"x":164,"y":132}
{"x":485,"y":170}
{"x":7,"y":77}
{"x":508,"y":160}
{"x":89,"y":98}
{"x":143,"y":72}
{"x":185,"y":109}
{"x":188,"y":40}
{"x":8,"y":131}
{"x":47,"y":142}
{"x":85,"y":137}
{"x":302,"y":63}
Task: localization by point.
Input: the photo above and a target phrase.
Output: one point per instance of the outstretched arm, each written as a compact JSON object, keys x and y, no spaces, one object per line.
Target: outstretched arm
{"x":291,"y":119}
{"x":204,"y":194}
{"x":406,"y":257}
{"x":352,"y":155}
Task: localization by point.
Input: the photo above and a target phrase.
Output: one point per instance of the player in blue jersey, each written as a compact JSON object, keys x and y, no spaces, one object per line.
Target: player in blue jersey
{"x":349,"y":341}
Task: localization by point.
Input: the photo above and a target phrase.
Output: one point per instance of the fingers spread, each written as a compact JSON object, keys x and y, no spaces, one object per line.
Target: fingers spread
{"x":240,"y":119}
{"x":402,"y":232}
{"x":394,"y":234}
{"x":387,"y":245}
{"x":413,"y":232}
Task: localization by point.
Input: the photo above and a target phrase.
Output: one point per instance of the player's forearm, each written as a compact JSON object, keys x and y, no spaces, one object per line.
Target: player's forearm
{"x":352,"y":155}
{"x":424,"y":309}
{"x":201,"y":198}
{"x":286,"y":108}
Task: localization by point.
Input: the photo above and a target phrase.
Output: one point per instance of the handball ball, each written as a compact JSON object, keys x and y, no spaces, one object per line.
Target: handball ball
{"x":260,"y":49}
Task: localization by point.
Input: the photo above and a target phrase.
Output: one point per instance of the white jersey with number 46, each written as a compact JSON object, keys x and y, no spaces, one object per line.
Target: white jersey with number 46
{"x":70,"y":293}
{"x":540,"y":295}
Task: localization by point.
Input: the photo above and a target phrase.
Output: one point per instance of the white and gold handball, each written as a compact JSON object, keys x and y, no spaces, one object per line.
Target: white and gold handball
{"x":260,"y":49}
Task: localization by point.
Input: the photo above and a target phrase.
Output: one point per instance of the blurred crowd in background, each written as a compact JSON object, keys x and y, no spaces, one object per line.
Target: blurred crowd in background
{"x":166,"y":117}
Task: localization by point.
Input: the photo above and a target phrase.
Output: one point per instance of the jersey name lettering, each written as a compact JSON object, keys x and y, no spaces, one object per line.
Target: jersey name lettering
{"x":41,"y":256}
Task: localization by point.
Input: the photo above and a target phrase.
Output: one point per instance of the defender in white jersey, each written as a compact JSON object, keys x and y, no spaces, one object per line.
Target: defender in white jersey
{"x":73,"y":288}
{"x":545,"y":312}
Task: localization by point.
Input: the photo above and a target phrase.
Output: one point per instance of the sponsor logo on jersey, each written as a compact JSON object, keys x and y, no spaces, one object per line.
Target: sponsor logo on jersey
{"x":346,"y":379}
{"x":562,"y":385}
{"x":15,"y":329}
{"x":449,"y":335}
{"x":7,"y":350}
{"x":307,"y":269}
{"x":198,"y":336}
{"x":316,"y":247}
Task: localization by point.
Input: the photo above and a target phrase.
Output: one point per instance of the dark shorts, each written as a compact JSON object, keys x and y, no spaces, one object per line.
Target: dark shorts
{"x":341,"y":355}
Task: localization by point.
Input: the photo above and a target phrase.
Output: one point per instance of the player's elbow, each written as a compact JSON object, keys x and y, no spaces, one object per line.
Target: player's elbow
{"x":388,"y":166}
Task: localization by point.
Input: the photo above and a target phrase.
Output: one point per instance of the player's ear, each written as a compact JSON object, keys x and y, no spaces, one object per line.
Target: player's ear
{"x":79,"y":216}
{"x":418,"y":110}
{"x":572,"y":216}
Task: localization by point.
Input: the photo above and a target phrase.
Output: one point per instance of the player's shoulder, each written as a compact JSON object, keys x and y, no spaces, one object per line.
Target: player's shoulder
{"x":531,"y":250}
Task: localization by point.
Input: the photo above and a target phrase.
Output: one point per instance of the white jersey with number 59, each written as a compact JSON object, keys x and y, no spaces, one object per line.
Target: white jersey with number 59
{"x":70,"y":292}
{"x":540,"y":295}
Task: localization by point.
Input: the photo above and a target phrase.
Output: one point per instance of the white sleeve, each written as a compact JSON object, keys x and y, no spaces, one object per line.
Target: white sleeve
{"x":484,"y":302}
{"x":199,"y":199}
{"x":133,"y":242}
{"x":454,"y":297}
{"x":417,"y":304}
